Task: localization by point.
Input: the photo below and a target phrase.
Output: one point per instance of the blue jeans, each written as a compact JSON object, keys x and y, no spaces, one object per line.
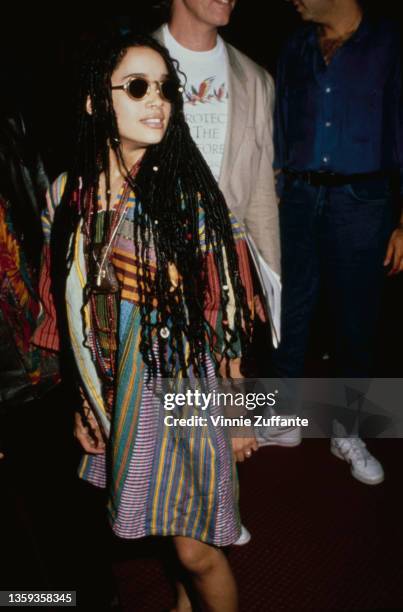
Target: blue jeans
{"x":334,"y":238}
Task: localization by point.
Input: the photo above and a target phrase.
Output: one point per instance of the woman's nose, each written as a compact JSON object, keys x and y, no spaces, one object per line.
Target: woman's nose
{"x":154,"y":97}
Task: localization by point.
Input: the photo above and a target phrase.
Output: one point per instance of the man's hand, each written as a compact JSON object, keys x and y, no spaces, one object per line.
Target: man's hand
{"x":243,"y":448}
{"x":394,"y":253}
{"x":90,"y":437}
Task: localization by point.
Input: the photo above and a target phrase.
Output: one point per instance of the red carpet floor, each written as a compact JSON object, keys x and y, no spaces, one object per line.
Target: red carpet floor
{"x":320,"y":540}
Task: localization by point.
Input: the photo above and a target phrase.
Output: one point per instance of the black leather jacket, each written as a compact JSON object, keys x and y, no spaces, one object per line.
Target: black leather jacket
{"x":23,"y":183}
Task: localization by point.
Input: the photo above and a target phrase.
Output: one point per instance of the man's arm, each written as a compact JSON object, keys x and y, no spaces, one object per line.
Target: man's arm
{"x":262,"y":213}
{"x":394,"y":253}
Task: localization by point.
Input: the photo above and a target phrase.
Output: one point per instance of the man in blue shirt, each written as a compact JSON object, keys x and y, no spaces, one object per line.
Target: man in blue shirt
{"x":339,"y":150}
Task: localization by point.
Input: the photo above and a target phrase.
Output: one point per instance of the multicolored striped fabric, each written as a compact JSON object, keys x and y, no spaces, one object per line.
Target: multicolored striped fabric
{"x":46,"y":334}
{"x":19,"y":308}
{"x":159,"y":482}
{"x":128,"y":269}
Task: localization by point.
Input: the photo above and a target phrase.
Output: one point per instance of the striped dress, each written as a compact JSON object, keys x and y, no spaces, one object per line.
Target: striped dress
{"x":160,"y":481}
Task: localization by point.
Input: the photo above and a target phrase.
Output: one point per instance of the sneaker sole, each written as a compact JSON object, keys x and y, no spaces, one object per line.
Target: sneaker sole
{"x":285,"y":443}
{"x":358,"y":477}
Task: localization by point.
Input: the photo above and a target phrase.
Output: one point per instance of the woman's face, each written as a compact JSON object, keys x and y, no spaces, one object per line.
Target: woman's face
{"x":141,"y":122}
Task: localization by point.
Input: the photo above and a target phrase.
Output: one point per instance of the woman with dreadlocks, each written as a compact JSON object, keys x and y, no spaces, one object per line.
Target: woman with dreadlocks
{"x":151,"y":279}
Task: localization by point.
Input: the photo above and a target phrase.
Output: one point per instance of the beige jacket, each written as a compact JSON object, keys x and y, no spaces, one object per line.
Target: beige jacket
{"x":247,"y":178}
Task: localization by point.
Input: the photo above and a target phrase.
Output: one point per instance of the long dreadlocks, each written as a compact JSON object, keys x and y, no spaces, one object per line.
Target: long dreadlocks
{"x":172,"y":200}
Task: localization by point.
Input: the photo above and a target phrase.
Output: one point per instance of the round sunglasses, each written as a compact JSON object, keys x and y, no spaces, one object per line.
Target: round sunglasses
{"x":138,"y":88}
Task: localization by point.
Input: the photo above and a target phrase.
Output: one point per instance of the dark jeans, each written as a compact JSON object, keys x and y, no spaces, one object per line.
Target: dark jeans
{"x":335,"y":238}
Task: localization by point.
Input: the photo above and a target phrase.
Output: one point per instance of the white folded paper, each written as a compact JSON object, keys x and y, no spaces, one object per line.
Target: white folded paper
{"x":271,"y":288}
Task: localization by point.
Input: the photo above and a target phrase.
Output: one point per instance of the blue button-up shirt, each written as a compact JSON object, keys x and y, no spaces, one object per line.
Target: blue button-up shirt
{"x":345,"y":117}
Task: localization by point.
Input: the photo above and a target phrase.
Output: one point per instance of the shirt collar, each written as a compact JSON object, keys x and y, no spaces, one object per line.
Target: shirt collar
{"x":362,"y":30}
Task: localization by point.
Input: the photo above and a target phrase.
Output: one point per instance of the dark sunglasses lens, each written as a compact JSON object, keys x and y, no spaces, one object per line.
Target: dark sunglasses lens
{"x":169,"y":90}
{"x":138,"y":88}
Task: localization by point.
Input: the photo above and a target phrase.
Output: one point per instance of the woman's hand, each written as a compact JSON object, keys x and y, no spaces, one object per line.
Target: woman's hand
{"x":244,"y":447}
{"x":89,"y":436}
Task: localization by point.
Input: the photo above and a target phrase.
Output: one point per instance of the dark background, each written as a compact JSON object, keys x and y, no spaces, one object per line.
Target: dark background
{"x":38,"y":58}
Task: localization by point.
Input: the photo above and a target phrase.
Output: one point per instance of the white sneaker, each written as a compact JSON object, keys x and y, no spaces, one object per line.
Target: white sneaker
{"x":364,"y":467}
{"x":244,"y":538}
{"x":280,"y":436}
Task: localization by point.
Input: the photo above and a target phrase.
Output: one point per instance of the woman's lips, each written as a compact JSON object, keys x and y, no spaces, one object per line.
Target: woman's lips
{"x":155,"y":123}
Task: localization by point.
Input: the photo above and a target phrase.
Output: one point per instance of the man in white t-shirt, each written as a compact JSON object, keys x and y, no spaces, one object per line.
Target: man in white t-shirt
{"x":228,"y":105}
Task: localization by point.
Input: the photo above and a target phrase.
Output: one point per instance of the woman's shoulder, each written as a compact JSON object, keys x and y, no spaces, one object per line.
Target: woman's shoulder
{"x":57,"y":188}
{"x":53,"y":199}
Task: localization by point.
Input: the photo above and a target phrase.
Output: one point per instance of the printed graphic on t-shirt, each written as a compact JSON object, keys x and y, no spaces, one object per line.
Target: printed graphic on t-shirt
{"x":206,"y":114}
{"x":206,"y":92}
